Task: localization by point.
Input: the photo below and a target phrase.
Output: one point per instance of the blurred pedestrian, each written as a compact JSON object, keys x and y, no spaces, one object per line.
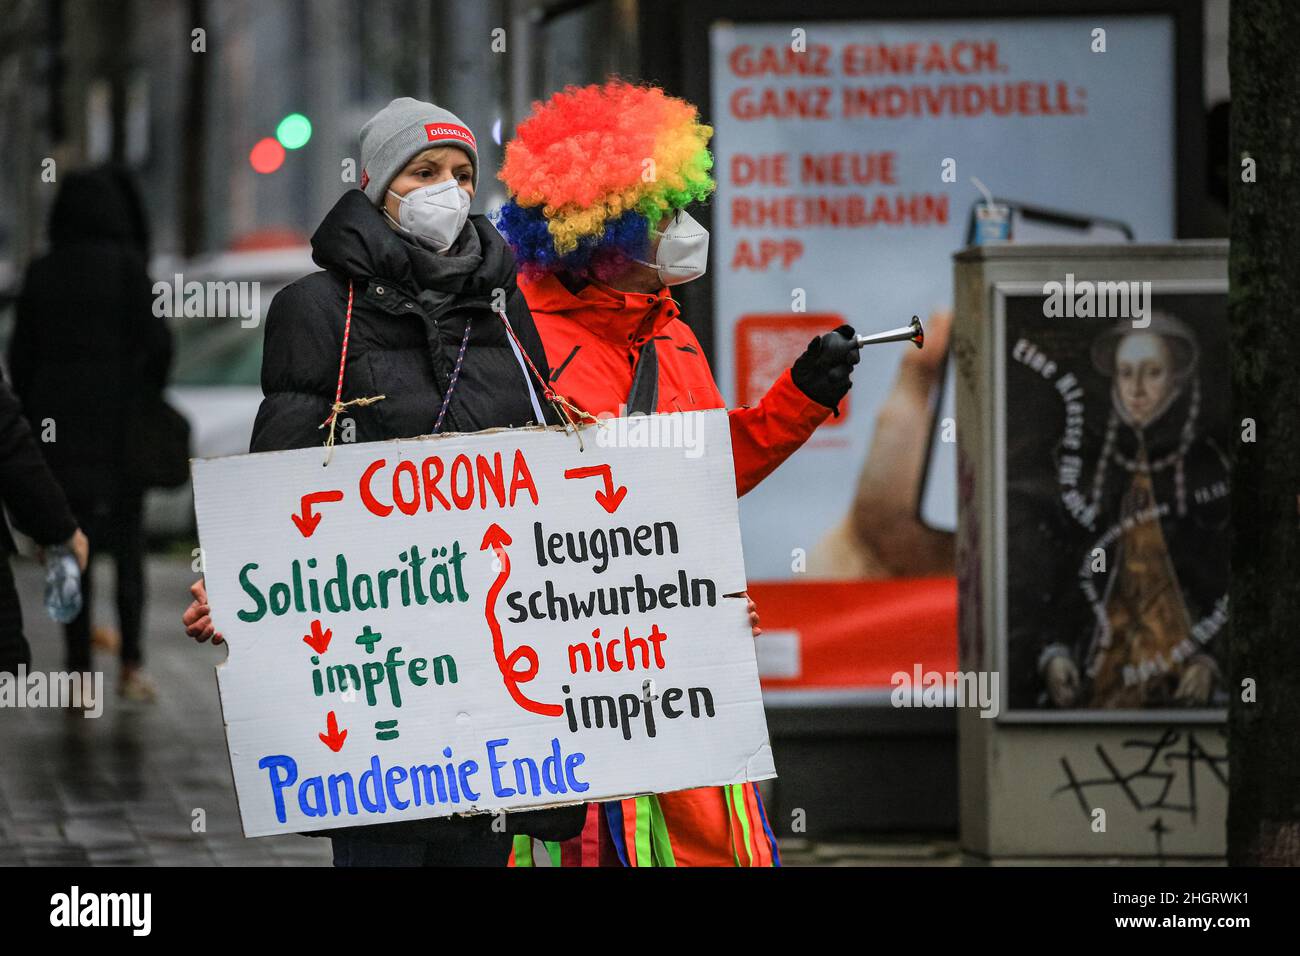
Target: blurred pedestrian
{"x":403,"y":334}
{"x":89,"y":361}
{"x":38,"y":509}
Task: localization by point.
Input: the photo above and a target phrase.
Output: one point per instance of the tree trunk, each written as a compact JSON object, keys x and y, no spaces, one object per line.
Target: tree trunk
{"x":1264,"y":270}
{"x":193,"y":192}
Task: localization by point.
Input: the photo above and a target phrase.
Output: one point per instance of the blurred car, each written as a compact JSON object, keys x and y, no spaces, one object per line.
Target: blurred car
{"x":215,"y":379}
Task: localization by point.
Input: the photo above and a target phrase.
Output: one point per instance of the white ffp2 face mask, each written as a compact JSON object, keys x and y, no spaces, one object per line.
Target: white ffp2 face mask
{"x":435,"y":214}
{"x":683,"y":252}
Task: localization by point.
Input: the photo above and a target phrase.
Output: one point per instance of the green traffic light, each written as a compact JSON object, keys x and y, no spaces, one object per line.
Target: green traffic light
{"x":294,"y":131}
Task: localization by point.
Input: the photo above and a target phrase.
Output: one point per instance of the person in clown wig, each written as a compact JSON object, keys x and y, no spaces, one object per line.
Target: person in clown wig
{"x":600,"y":179}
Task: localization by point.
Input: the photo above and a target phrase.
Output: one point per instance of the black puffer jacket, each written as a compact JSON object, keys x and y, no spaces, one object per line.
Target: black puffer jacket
{"x":87,"y":350}
{"x":37,"y":507}
{"x":409,"y":313}
{"x":410,"y":309}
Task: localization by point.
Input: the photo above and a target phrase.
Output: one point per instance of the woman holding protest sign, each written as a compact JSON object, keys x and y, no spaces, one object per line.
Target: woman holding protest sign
{"x":600,"y":178}
{"x":399,"y":336}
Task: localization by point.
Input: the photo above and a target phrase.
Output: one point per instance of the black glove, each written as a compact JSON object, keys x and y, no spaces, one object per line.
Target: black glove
{"x":822,"y":372}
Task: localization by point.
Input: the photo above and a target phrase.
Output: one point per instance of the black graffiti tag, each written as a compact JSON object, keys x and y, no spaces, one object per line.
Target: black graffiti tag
{"x":1170,"y":765}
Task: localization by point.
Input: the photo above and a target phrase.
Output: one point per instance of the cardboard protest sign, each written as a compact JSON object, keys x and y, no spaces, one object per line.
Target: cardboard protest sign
{"x":478,"y":622}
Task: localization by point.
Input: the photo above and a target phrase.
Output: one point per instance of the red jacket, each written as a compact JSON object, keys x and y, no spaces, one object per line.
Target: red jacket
{"x":593,"y":339}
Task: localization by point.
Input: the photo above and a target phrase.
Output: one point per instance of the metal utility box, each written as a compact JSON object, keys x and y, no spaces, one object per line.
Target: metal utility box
{"x":1093,"y":434}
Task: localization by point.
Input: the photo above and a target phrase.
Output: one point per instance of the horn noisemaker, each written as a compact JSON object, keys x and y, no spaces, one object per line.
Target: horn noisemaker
{"x":907,"y":333}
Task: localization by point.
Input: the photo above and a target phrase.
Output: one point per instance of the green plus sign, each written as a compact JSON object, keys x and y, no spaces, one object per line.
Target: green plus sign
{"x":369,"y":639}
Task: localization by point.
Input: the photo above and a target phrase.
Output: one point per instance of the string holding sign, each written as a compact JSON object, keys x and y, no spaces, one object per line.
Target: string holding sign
{"x":338,"y":404}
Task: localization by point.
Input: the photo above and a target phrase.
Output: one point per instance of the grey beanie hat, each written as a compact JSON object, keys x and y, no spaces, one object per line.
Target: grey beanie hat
{"x":403,"y":129}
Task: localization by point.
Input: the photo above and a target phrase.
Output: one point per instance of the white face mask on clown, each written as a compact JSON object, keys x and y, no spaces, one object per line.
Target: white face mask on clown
{"x":434,"y":215}
{"x":683,"y":252}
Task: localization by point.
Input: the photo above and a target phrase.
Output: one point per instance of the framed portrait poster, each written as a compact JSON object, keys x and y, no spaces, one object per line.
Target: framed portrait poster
{"x":1111,"y":467}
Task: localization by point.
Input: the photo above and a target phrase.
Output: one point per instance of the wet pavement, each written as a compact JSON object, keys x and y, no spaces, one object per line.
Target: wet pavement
{"x":142,"y":784}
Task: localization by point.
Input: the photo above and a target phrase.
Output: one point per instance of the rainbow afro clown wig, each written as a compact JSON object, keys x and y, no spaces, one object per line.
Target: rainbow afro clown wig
{"x":592,"y":169}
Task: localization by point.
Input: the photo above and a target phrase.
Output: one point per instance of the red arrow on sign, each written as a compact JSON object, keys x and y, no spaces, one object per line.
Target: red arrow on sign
{"x":318,"y":640}
{"x":496,"y":538}
{"x":333,"y":739}
{"x":307,"y":521}
{"x":609,"y":498}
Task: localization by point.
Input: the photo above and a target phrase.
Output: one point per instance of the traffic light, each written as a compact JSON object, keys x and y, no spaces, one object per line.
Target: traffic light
{"x":292,"y":132}
{"x":266,"y":156}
